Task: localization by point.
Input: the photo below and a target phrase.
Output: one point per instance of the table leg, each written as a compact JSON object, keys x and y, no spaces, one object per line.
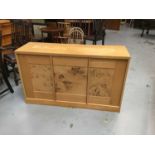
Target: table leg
{"x":42,"y":36}
{"x":89,"y":29}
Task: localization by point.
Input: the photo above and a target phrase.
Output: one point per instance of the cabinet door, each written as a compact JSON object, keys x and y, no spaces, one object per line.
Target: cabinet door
{"x":70,"y":79}
{"x":37,"y":74}
{"x":105,"y":81}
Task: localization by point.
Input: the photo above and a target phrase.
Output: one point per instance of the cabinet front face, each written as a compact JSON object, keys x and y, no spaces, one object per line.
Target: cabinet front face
{"x":105,"y":81}
{"x":70,"y":79}
{"x":37,"y":74}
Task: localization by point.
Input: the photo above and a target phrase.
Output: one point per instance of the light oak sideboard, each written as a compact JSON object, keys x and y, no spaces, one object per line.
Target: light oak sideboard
{"x":84,"y":76}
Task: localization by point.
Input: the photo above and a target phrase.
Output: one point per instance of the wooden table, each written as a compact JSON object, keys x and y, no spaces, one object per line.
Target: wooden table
{"x":51,"y":32}
{"x":85,"y":76}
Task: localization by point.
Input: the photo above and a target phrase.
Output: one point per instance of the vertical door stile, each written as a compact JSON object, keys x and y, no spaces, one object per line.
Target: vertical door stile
{"x":87,"y":81}
{"x":52,"y":67}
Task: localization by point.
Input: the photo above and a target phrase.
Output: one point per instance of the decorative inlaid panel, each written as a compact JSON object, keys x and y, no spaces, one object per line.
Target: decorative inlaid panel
{"x":42,"y":79}
{"x":70,"y":79}
{"x":100,"y":82}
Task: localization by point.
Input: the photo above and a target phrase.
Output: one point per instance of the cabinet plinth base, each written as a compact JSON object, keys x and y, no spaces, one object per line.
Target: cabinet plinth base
{"x":73,"y":104}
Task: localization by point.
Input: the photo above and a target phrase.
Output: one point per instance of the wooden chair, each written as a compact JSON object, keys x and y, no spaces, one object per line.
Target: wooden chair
{"x":9,"y":60}
{"x":23,"y":32}
{"x":76,"y":36}
{"x":98,"y":32}
{"x":3,"y":74}
{"x":17,"y":33}
{"x":66,"y":26}
{"x":11,"y":63}
{"x":63,"y":38}
{"x":74,"y":22}
{"x":84,"y":24}
{"x":147,"y":24}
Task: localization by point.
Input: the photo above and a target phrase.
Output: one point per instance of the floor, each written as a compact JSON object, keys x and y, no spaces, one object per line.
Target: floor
{"x":137,"y":114}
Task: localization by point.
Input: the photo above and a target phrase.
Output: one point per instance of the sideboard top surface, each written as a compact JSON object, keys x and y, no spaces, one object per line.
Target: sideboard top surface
{"x":106,"y":51}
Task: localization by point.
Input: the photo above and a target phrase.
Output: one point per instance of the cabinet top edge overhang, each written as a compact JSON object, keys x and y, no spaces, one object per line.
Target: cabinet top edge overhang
{"x":77,"y":50}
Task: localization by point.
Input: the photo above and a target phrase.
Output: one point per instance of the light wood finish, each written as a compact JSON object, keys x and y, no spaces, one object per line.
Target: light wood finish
{"x":5,"y":27}
{"x":63,"y":37}
{"x":105,"y":82}
{"x":97,"y":51}
{"x":70,"y":61}
{"x":102,"y":63}
{"x":66,"y":26}
{"x":73,"y":75}
{"x":37,"y":76}
{"x":71,"y":83}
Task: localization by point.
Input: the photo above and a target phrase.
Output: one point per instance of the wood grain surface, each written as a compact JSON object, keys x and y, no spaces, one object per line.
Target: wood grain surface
{"x":94,"y":51}
{"x":69,"y":80}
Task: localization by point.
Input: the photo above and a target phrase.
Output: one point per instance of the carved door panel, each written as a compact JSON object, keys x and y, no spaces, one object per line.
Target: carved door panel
{"x":70,"y":79}
{"x":38,"y":76}
{"x":105,"y":81}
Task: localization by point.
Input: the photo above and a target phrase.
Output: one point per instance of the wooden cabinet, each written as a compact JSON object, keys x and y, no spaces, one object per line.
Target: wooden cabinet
{"x":86,"y":76}
{"x":5,"y":27}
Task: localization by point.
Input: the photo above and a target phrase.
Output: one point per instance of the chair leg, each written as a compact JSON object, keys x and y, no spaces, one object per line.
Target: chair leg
{"x":1,"y":80}
{"x":15,"y":75}
{"x":7,"y":82}
{"x":6,"y":68}
{"x":42,"y":37}
{"x":84,"y":41}
{"x":103,"y":37}
{"x":142,"y":33}
{"x":102,"y":41}
{"x":94,"y":42}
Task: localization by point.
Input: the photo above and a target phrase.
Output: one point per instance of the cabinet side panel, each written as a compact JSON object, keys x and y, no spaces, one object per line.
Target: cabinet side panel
{"x":24,"y":73}
{"x":37,"y":76}
{"x":20,"y":73}
{"x":118,"y":81}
